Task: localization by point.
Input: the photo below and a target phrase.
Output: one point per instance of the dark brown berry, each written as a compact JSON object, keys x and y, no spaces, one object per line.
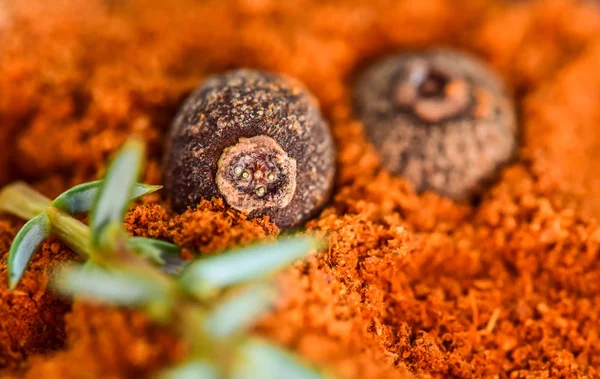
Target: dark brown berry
{"x":439,"y":118}
{"x":258,"y":141}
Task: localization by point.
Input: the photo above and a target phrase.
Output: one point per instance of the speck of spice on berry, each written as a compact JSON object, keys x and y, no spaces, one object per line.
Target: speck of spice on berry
{"x":439,"y":118}
{"x":258,"y":141}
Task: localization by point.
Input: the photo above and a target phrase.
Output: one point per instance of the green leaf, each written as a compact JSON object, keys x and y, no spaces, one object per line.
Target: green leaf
{"x":112,"y":238}
{"x":26,"y":242}
{"x":157,"y":251}
{"x":117,"y":189}
{"x":174,"y":265}
{"x":238,"y":313}
{"x":260,"y":359}
{"x":80,"y":198}
{"x":191,"y":370}
{"x":160,"y":252}
{"x":89,"y":265}
{"x":123,"y":286}
{"x":204,"y":277}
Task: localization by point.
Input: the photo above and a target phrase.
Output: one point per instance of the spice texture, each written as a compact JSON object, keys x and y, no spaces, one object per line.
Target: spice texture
{"x":411,"y":284}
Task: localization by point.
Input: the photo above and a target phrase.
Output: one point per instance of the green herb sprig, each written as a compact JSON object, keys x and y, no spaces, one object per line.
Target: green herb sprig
{"x":54,"y":217}
{"x":211,"y":303}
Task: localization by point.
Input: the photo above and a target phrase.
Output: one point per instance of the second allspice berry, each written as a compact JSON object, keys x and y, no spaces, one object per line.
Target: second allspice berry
{"x":439,"y":118}
{"x":258,"y":141}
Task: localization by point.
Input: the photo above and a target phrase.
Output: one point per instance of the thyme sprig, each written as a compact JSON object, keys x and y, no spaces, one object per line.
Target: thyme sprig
{"x":54,"y":217}
{"x":212,"y":303}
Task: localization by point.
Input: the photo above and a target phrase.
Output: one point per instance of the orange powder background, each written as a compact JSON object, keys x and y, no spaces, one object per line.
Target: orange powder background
{"x":411,"y":284}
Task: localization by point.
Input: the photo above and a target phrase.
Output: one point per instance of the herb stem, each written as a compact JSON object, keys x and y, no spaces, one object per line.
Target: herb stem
{"x":71,"y":231}
{"x":22,"y":201}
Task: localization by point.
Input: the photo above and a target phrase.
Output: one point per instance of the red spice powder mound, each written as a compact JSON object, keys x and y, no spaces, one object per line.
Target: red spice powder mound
{"x":505,"y":290}
{"x":562,"y":119}
{"x":411,"y":284}
{"x":122,"y":344}
{"x":530,"y":41}
{"x":210,"y":228}
{"x":31,"y":317}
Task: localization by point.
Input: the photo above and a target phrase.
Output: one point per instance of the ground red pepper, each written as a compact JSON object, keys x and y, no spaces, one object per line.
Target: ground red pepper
{"x":411,"y":283}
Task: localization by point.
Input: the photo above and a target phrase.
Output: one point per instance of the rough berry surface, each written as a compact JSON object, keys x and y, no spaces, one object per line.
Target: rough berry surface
{"x":255,"y":139}
{"x":441,"y":119}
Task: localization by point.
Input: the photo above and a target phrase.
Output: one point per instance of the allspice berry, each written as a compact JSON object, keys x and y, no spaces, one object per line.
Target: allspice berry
{"x":440,"y":118}
{"x":258,"y":141}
